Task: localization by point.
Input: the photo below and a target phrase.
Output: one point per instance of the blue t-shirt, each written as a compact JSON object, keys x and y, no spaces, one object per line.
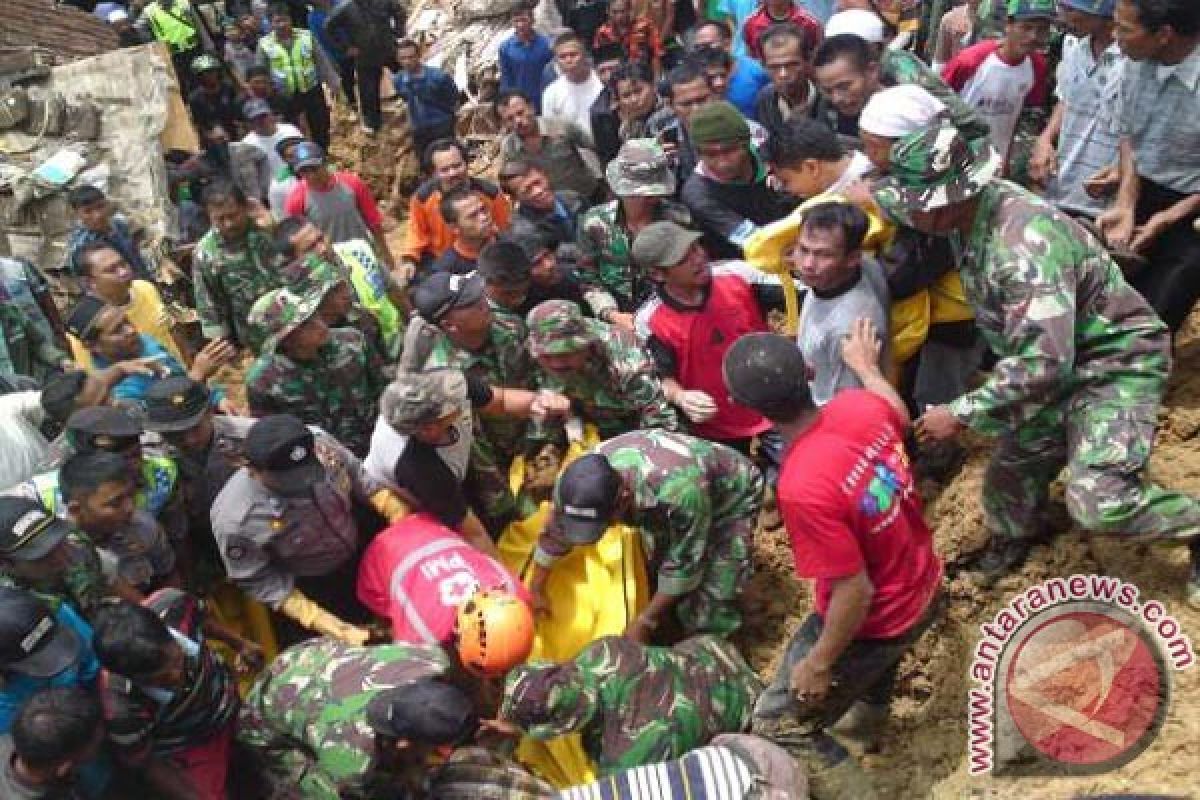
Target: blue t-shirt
{"x":17,"y":688}
{"x":738,"y":11}
{"x":133,"y":388}
{"x":745,"y":83}
{"x":521,"y":65}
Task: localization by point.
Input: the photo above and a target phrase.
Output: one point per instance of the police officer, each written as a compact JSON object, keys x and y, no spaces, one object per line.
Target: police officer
{"x":285,"y":524}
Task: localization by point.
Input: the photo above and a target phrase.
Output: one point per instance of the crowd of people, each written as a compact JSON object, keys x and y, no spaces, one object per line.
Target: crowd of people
{"x":762,"y":263}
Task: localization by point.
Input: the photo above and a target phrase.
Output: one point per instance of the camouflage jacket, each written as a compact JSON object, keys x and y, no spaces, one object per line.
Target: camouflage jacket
{"x":686,"y":492}
{"x":902,"y":67}
{"x":1055,"y":310}
{"x":635,"y":704}
{"x":304,"y":716}
{"x":338,"y":392}
{"x":81,"y":582}
{"x":606,"y":269}
{"x":227,"y":280}
{"x":619,"y":390}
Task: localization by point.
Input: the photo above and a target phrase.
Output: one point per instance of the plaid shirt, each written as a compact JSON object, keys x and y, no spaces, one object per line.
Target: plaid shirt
{"x":640,"y":43}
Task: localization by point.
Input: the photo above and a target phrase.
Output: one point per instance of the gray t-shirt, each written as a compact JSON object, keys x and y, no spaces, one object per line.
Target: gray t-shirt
{"x":824,"y":322}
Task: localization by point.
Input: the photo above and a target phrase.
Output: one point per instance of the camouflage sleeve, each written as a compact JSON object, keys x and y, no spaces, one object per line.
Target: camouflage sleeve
{"x":211,"y":304}
{"x":688,"y":526}
{"x":591,"y":251}
{"x":643,"y":389}
{"x":1037,"y":303}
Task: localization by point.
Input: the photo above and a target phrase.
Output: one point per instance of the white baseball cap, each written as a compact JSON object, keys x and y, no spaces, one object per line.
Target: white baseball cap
{"x":116,"y":15}
{"x":859,"y":22}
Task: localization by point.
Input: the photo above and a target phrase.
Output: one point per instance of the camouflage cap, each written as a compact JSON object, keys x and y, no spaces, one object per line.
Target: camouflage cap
{"x":934,"y":168}
{"x":415,"y":398}
{"x":279,"y":312}
{"x":557,"y":327}
{"x":547,"y":696}
{"x":312,"y":274}
{"x":205,"y":63}
{"x":641,"y":169}
{"x":1031,"y":9}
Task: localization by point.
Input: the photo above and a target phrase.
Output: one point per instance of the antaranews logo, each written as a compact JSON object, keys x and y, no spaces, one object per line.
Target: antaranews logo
{"x":1072,"y":677}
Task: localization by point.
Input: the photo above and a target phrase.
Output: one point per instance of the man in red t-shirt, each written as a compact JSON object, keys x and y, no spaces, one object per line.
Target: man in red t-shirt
{"x":780,"y":12}
{"x":850,"y":506}
{"x":699,"y":309}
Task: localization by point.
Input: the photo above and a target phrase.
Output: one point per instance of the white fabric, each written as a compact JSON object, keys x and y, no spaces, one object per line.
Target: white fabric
{"x":858,"y":168}
{"x":267,"y":143}
{"x":899,"y":110}
{"x":858,"y":22}
{"x":997,"y":91}
{"x":572,"y":102}
{"x":116,"y":16}
{"x":22,"y":446}
{"x":388,"y":444}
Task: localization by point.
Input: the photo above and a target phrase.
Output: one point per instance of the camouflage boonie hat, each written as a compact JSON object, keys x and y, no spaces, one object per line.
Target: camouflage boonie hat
{"x":932,"y":169}
{"x":205,"y":63}
{"x":557,"y":327}
{"x":279,"y":312}
{"x":313,"y":275}
{"x":414,"y":398}
{"x":1031,"y":9}
{"x":547,"y":696}
{"x":641,"y":169}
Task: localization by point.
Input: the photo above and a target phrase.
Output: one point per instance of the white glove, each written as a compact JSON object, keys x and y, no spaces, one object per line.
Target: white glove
{"x":698,"y":406}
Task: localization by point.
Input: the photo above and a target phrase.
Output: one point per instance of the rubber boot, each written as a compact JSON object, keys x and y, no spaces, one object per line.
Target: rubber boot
{"x":843,"y":781}
{"x":864,"y":723}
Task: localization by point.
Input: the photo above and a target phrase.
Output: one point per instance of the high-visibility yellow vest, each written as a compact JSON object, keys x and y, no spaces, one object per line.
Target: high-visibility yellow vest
{"x":175,"y":27}
{"x":293,"y":69}
{"x":159,"y":476}
{"x":371,"y":288}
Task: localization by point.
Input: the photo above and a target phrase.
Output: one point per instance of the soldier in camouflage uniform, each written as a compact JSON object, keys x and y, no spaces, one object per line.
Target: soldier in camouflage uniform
{"x":329,"y":284}
{"x":455,"y":327}
{"x":233,"y":265}
{"x":641,"y":178}
{"x":608,"y":376}
{"x":328,"y":378}
{"x":1083,"y":360}
{"x":635,"y":704}
{"x":305,"y":721}
{"x":696,"y":504}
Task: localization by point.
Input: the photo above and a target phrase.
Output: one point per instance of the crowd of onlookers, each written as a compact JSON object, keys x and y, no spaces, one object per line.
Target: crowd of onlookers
{"x":270,"y":555}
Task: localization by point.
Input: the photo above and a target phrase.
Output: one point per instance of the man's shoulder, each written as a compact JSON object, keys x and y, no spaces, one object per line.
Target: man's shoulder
{"x":426,"y":191}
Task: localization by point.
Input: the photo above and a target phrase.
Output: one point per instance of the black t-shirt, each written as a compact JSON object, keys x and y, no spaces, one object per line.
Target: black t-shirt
{"x":584,"y":17}
{"x":223,"y":107}
{"x":453,"y":262}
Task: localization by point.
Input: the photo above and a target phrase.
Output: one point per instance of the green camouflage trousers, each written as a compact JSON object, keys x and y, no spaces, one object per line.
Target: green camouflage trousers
{"x":1103,"y":435}
{"x":712,"y":607}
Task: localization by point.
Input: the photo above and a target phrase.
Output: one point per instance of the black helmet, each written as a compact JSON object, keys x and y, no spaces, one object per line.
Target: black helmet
{"x":32,"y":641}
{"x":766,"y":372}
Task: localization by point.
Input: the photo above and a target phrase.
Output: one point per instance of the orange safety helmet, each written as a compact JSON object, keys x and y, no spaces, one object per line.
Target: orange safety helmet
{"x":495,"y":632}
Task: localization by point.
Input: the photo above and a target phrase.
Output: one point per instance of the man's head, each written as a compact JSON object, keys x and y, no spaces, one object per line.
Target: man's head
{"x":289,"y":323}
{"x":408,"y":55}
{"x":225,"y":204}
{"x":447,"y":160}
{"x":177,"y":409}
{"x":1163,"y":31}
{"x":92,"y":208}
{"x":65,"y":393}
{"x":468,"y":214}
{"x":609,"y":58}
{"x":104,"y":330}
{"x":804,"y":156}
{"x":712,"y":33}
{"x":892,"y":114}
{"x":847,"y":72}
{"x":207,"y":71}
{"x":259,"y":116}
{"x":55,"y":732}
{"x":281,"y":454}
{"x":688,"y":91}
{"x":717,"y":66}
{"x":934,"y":180}
{"x":32,"y":540}
{"x":109,"y":429}
{"x":426,"y":405}
{"x":297,"y":237}
{"x":516,"y":112}
{"x":258,"y":80}
{"x":281,"y":21}
{"x":559,"y":337}
{"x":119,"y":19}
{"x":413,"y":721}
{"x":33,"y":642}
{"x":827,"y":254}
{"x":1028,"y":26}
{"x":99,"y":488}
{"x":106,"y":273}
{"x":860,"y":22}
{"x":570,"y":55}
{"x":588,"y":497}
{"x":506,"y":273}
{"x":309,"y":163}
{"x":1087,"y":17}
{"x":787,"y":57}
{"x":528,"y":185}
{"x":634,"y":89}
{"x":671,"y":255}
{"x":457,"y":305}
{"x":522,"y":20}
{"x":721,"y":137}
{"x":641,"y":169}
{"x":766,"y":372}
{"x":132,"y":641}
{"x":620,"y":14}
{"x":541,"y":251}
{"x":286,"y":149}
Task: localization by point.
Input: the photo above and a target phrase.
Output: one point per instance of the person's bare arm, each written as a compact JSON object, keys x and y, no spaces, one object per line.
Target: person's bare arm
{"x":1044,"y":162}
{"x":861,"y":351}
{"x":849,"y":601}
{"x":1118,"y":221}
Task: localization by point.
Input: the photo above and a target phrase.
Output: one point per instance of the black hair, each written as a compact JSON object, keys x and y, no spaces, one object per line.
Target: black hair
{"x":83,"y":473}
{"x":689,"y":71}
{"x":258,"y":71}
{"x":848,"y":218}
{"x":633,"y":71}
{"x":845,"y":45}
{"x":60,"y":394}
{"x":129,"y":639}
{"x":533,"y":239}
{"x":508,"y":95}
{"x":449,"y":205}
{"x":222,"y":191}
{"x":802,"y":138}
{"x":504,"y":263}
{"x":1180,"y":15}
{"x":408,"y":44}
{"x":517,"y":168}
{"x":85,"y":195}
{"x":785,"y":31}
{"x":280,"y":10}
{"x":84,"y":257}
{"x":53,"y":725}
{"x":443,"y":145}
{"x":281,"y":241}
{"x":568,"y":38}
{"x":719,"y":24}
{"x":711,"y":57}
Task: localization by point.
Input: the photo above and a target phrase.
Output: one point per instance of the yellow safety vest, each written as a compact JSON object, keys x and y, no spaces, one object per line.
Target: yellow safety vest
{"x":294,"y":70}
{"x":371,"y":293}
{"x":174,"y":28}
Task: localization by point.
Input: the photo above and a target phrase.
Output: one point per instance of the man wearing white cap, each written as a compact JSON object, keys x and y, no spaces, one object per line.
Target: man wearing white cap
{"x":118,"y":18}
{"x":898,"y":19}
